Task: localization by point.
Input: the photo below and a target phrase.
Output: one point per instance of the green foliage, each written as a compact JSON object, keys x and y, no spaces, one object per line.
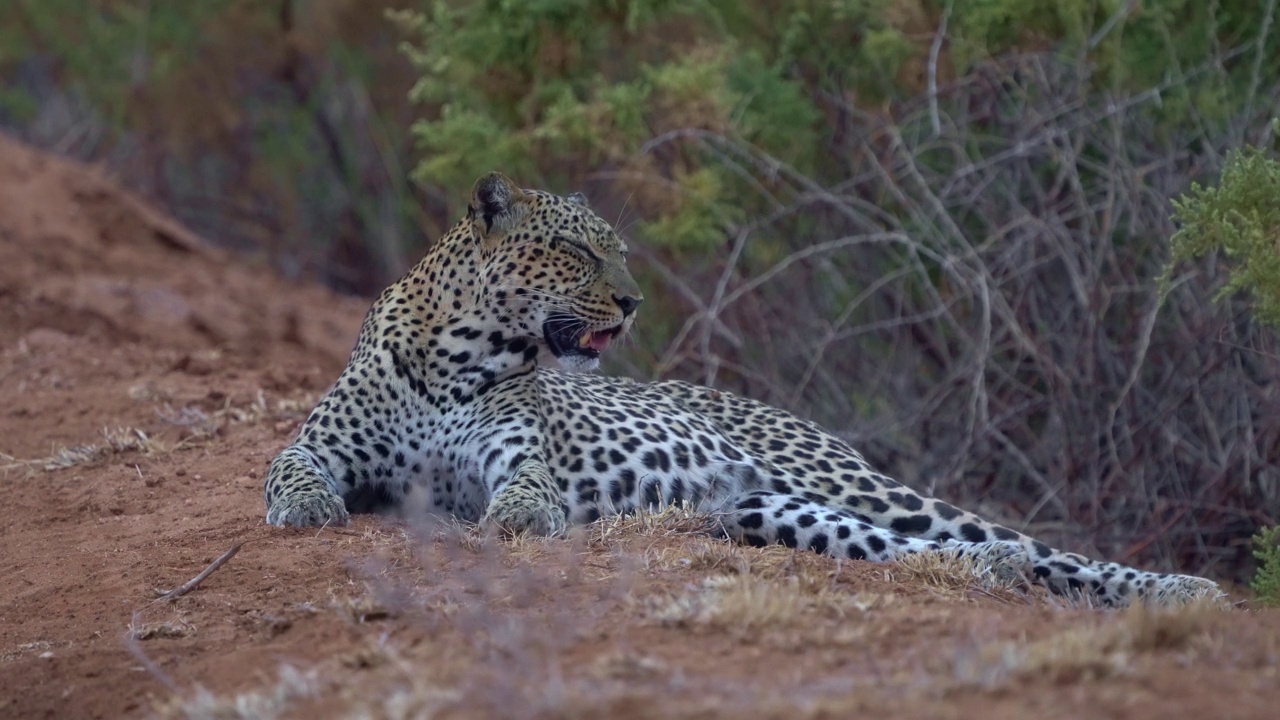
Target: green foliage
{"x":546,"y":89}
{"x":549,"y":88}
{"x":1240,"y":218}
{"x":837,"y":46}
{"x":704,"y":214}
{"x":1174,"y":43}
{"x":985,"y":25}
{"x":502,"y":80}
{"x":774,"y":112}
{"x":462,"y":140}
{"x":1266,"y":548}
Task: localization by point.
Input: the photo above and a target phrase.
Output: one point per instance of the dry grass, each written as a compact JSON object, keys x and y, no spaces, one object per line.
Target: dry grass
{"x":752,"y":589}
{"x":463,"y":535}
{"x":362,"y":608}
{"x":197,"y":422}
{"x":177,"y":627}
{"x":196,"y":427}
{"x":1091,"y":652}
{"x":626,"y":665}
{"x":42,"y":648}
{"x":260,"y":409}
{"x":419,"y":699}
{"x":958,"y":576}
{"x":746,"y":603}
{"x":704,"y":554}
{"x":369,"y":654}
{"x":668,"y":521}
{"x":777,"y":587}
{"x":114,"y":441}
{"x":292,"y":687}
{"x":512,"y":650}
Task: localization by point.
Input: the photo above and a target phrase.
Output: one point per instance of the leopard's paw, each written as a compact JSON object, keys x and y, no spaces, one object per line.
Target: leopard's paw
{"x":308,"y":509}
{"x":524,"y":513}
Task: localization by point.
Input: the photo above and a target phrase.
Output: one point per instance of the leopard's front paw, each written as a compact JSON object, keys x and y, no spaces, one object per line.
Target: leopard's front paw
{"x":308,"y":509}
{"x":518,"y":513}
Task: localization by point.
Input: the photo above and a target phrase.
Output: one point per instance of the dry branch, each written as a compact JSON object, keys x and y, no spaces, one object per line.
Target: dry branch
{"x":188,"y":586}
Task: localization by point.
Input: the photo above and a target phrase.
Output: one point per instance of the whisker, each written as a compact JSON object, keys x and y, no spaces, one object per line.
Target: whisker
{"x":535,"y":293}
{"x":623,"y":212}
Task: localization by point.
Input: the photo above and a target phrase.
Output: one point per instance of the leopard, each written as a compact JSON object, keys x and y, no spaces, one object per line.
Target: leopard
{"x":470,"y":394}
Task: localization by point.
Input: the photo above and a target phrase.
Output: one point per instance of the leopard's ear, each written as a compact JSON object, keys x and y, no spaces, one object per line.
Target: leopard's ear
{"x":578,"y":199}
{"x":495,"y":204}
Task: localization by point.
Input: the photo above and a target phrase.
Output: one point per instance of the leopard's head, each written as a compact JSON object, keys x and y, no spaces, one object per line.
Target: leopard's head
{"x":553,"y":269}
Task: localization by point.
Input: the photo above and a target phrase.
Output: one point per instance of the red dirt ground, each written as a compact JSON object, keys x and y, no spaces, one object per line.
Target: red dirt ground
{"x":148,"y":381}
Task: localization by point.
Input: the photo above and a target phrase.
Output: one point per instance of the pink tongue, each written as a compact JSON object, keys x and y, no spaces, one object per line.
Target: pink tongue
{"x":599,"y":341}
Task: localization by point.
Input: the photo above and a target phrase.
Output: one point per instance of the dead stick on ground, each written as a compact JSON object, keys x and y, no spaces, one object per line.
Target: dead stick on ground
{"x":191,"y":584}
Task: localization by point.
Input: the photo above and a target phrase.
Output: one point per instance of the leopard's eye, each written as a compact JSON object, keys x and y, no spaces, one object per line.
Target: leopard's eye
{"x":579,"y":247}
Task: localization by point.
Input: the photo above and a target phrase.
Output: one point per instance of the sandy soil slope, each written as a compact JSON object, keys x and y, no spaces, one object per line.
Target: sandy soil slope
{"x":146,"y":382}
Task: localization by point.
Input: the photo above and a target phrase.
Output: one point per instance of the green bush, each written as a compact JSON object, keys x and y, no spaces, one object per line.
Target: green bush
{"x":548,"y":90}
{"x":1241,"y":219}
{"x":1266,"y":549}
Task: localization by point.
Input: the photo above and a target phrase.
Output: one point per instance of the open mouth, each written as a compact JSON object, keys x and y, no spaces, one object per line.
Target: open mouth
{"x":565,"y":335}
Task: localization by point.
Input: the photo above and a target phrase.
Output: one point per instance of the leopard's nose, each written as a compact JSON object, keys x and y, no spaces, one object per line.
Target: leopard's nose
{"x":628,"y":303}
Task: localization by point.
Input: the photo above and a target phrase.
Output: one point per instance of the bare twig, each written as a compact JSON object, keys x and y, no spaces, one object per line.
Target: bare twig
{"x":972,"y":301}
{"x":934,"y":49}
{"x":188,"y":586}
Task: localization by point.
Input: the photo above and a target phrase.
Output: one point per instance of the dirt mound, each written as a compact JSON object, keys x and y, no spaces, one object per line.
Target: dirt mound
{"x":148,"y":380}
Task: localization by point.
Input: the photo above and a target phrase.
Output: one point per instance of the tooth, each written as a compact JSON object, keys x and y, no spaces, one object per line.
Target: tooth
{"x":585,"y":340}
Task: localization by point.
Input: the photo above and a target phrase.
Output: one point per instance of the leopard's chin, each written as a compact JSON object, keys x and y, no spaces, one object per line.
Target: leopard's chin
{"x":568,"y":363}
{"x":576,"y":363}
